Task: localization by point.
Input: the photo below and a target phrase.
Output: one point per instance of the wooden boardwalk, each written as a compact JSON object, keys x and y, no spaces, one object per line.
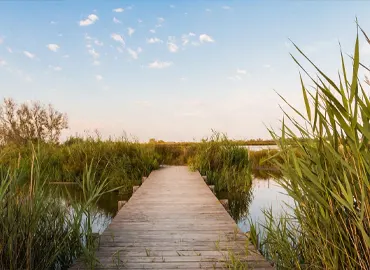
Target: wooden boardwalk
{"x":174,"y":221}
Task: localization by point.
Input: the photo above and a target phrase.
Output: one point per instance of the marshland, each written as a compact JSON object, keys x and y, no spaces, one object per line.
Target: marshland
{"x":301,"y":194}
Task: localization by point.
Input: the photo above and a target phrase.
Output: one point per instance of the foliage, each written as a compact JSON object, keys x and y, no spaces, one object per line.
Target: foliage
{"x":37,"y":229}
{"x":21,"y":123}
{"x":123,"y":162}
{"x":225,"y":164}
{"x":327,"y":174}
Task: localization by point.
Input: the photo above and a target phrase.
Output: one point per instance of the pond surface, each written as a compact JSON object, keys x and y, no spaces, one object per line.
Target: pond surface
{"x":263,"y":194}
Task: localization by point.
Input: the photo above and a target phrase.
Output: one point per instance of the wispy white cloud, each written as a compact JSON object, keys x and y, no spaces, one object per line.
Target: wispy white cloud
{"x":29,"y":55}
{"x":119,"y":49}
{"x":208,"y":10}
{"x":55,"y":68}
{"x":91,"y":19}
{"x":267,"y":66}
{"x":226,"y":7}
{"x":93,"y":53}
{"x":66,"y":56}
{"x":99,"y":77}
{"x":134,"y":54}
{"x":118,"y":10}
{"x":53,"y":22}
{"x":235,"y":78}
{"x":96,"y":63}
{"x":118,"y":38}
{"x":53,"y":47}
{"x":99,"y":43}
{"x":2,"y":63}
{"x":154,"y":40}
{"x":172,"y":47}
{"x":186,"y":38}
{"x":139,"y":20}
{"x":159,"y":64}
{"x":172,"y":6}
{"x":241,"y":71}
{"x":152,"y":31}
{"x":160,"y":20}
{"x":87,"y":37}
{"x":130,"y":31}
{"x":205,"y":38}
{"x":9,"y":50}
{"x":115,"y":20}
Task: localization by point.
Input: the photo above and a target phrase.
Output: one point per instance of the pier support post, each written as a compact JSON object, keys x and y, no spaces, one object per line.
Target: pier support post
{"x":134,"y":189}
{"x":121,"y":204}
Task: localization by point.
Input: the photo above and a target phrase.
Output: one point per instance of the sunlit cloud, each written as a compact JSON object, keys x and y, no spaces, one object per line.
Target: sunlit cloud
{"x":118,"y":38}
{"x":118,"y":10}
{"x":172,"y":47}
{"x":29,"y":55}
{"x":205,"y":38}
{"x":154,"y":40}
{"x":53,"y":47}
{"x":241,"y":71}
{"x":99,"y":77}
{"x":91,"y":19}
{"x":159,"y":65}
{"x":93,"y":53}
{"x":115,"y":20}
{"x":134,"y":54}
{"x":226,"y":7}
{"x":98,"y":43}
{"x":130,"y":31}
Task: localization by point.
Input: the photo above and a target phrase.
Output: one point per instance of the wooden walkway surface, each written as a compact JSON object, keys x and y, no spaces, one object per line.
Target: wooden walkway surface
{"x":174,"y":221}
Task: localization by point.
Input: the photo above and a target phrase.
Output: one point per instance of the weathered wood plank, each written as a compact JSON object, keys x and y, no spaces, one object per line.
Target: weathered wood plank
{"x":174,"y":221}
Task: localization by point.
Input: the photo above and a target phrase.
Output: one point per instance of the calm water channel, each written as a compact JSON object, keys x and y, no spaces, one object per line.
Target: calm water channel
{"x":264,"y":193}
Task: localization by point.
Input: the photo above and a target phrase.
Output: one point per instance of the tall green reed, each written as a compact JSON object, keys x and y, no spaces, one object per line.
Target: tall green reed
{"x":326,"y":168}
{"x":225,"y":163}
{"x":37,"y":229}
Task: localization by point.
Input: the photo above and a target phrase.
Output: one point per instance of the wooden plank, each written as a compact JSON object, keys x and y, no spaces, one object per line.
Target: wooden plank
{"x":174,"y":221}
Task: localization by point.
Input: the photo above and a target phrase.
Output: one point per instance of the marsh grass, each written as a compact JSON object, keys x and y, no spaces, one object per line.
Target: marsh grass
{"x":37,"y":229}
{"x":326,"y":171}
{"x":124,"y":161}
{"x":225,"y":164}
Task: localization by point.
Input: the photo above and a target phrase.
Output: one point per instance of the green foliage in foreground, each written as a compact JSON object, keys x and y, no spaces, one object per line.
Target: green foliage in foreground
{"x":225,"y":164}
{"x":37,"y":229}
{"x":327,"y":174}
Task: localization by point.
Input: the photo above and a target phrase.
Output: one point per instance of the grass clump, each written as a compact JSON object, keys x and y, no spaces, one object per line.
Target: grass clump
{"x":38,"y":230}
{"x":327,"y":173}
{"x":225,"y":164}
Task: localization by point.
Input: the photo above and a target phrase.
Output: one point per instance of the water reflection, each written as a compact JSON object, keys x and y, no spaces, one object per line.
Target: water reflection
{"x":106,"y":207}
{"x":264,"y":193}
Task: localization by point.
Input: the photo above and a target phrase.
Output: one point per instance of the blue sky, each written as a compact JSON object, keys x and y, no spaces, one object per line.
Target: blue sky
{"x":170,"y":70}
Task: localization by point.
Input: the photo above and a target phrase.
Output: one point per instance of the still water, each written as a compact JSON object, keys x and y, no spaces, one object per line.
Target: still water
{"x":263,"y":194}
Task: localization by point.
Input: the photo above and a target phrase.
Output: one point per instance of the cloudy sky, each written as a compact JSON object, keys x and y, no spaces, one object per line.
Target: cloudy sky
{"x":170,"y":70}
